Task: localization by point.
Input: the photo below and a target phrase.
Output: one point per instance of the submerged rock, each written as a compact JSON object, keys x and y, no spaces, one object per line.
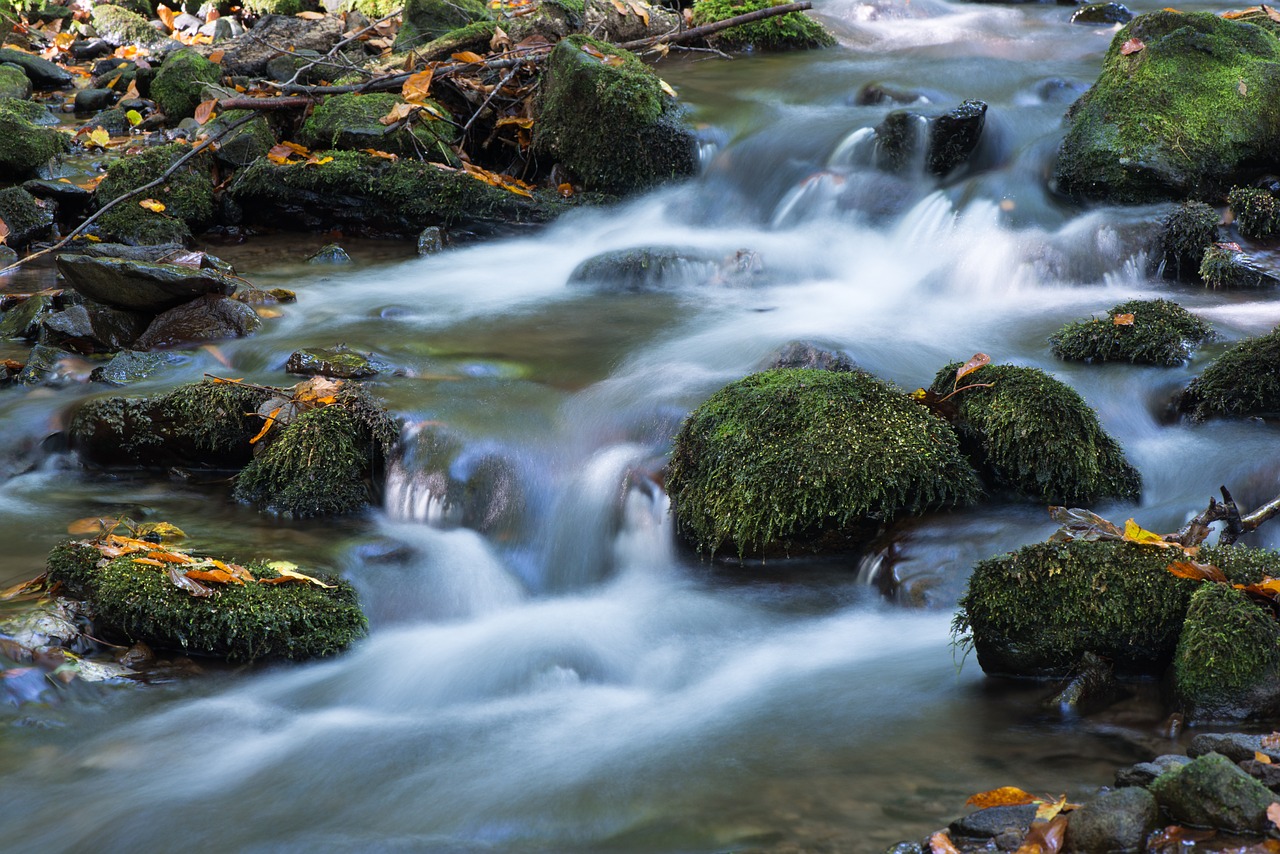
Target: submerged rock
{"x":27,"y":217}
{"x":655,"y":268}
{"x":1101,"y":14}
{"x":337,"y":362}
{"x":794,"y":459}
{"x":805,"y":354}
{"x":330,"y":253}
{"x":941,"y":143}
{"x":130,"y":366}
{"x":1035,"y":435}
{"x":1243,"y":382}
{"x":1227,"y":664}
{"x":1159,"y":333}
{"x":142,"y":286}
{"x":203,"y":319}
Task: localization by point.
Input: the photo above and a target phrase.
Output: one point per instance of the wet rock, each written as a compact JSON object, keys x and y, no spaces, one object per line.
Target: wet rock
{"x":831,"y":433}
{"x":874,"y":94}
{"x":1113,"y":599}
{"x":654,"y":268}
{"x":1256,"y":211}
{"x":1205,"y":106}
{"x":1113,"y":821}
{"x":27,"y":217}
{"x":187,"y":23}
{"x":177,"y":87}
{"x":1160,"y":333}
{"x":93,"y":100}
{"x":805,"y":354}
{"x":425,"y":20}
{"x":1143,"y":773}
{"x":93,"y":328}
{"x":1227,"y":665}
{"x":120,"y":27}
{"x":130,"y":366}
{"x":8,"y":255}
{"x":941,"y":143}
{"x":33,"y":111}
{"x":605,"y":21}
{"x":1212,"y":791}
{"x":141,"y":285}
{"x":42,"y":73}
{"x":1225,"y":266}
{"x":993,"y":821}
{"x":1185,"y":234}
{"x":1034,"y":435}
{"x":249,"y":53}
{"x":310,"y":66}
{"x":792,"y":31}
{"x":14,"y":82}
{"x":1236,"y":746}
{"x":245,"y":144}
{"x":23,"y":320}
{"x":334,"y":362}
{"x":430,"y":241}
{"x":1101,"y":14}
{"x":206,"y":318}
{"x":1243,"y":382}
{"x":351,"y":122}
{"x":47,"y":365}
{"x":589,"y":110}
{"x":92,"y":48}
{"x":25,"y":146}
{"x":158,"y":253}
{"x":69,"y":197}
{"x":330,"y":253}
{"x":1266,"y":773}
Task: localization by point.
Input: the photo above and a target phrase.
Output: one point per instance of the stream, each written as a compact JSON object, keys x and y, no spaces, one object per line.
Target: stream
{"x":569,"y":678}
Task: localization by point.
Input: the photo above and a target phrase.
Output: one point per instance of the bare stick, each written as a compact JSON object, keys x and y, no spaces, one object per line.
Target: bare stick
{"x":164,"y":176}
{"x":505,"y":80}
{"x":713,"y":28}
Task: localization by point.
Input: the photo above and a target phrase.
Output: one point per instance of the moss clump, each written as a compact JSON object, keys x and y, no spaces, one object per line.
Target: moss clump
{"x":1228,"y":654}
{"x":238,"y":622}
{"x":24,"y":145}
{"x":1223,"y":267}
{"x":187,"y":194}
{"x":792,"y":31}
{"x":244,"y":144}
{"x":1243,"y":382}
{"x":1162,"y":333}
{"x":611,"y":125}
{"x":1257,"y":212}
{"x":1185,"y":234}
{"x":27,"y":217}
{"x":788,"y":458}
{"x":323,"y":461}
{"x":1178,"y":118}
{"x":351,"y":122}
{"x":180,"y":81}
{"x":120,"y":26}
{"x":425,"y":20}
{"x":1033,"y":434}
{"x":1036,"y":611}
{"x":474,"y":37}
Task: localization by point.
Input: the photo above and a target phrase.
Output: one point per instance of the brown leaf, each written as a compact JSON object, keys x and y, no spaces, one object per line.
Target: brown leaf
{"x":195,"y":588}
{"x":565,"y":190}
{"x":415,"y":88}
{"x":170,"y":557}
{"x":4,"y":231}
{"x":466,"y":56}
{"x":1045,"y":838}
{"x":204,"y":111}
{"x":311,"y":16}
{"x":1271,"y":13}
{"x":1122,"y":320}
{"x":1268,"y":587}
{"x":217,"y":55}
{"x":1196,"y":571}
{"x":215,"y":576}
{"x":1273,"y":813}
{"x":166,"y":16}
{"x":317,"y":390}
{"x":398,"y":113}
{"x":147,"y":561}
{"x":195,"y":260}
{"x":268,"y":423}
{"x":1080,"y":524}
{"x":1131,"y":46}
{"x":978,"y":361}
{"x":940,"y":843}
{"x":385,"y":155}
{"x":90,"y":526}
{"x":25,"y":588}
{"x":280,"y":154}
{"x":1004,"y":796}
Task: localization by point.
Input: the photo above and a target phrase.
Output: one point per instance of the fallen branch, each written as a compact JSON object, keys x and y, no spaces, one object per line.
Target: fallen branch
{"x":333,"y":51}
{"x":164,"y":176}
{"x":1194,"y":532}
{"x":716,"y":26}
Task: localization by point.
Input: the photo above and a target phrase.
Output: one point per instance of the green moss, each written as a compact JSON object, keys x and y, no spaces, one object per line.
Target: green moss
{"x":352,"y":122}
{"x":1178,"y":118}
{"x":186,"y":195}
{"x":321,"y":463}
{"x":182,"y":78}
{"x":26,"y":216}
{"x":279,"y":7}
{"x":1036,"y":611}
{"x":1243,"y":382}
{"x":792,"y":31}
{"x":244,"y":144}
{"x":474,"y":37}
{"x":788,"y":458}
{"x":611,"y":125}
{"x":122,"y":26}
{"x":1162,"y":333}
{"x":238,"y":622}
{"x":1185,"y":234}
{"x":1223,"y":267}
{"x":24,"y":146}
{"x":1227,"y":654}
{"x":136,"y":226}
{"x":1035,"y":435}
{"x":425,"y":20}
{"x":1257,"y":212}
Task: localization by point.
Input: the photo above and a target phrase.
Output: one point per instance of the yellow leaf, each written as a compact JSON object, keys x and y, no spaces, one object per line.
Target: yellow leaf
{"x":166,"y":16}
{"x":1048,"y":810}
{"x":666,"y":87}
{"x":565,"y":190}
{"x":1261,"y":758}
{"x":515,"y":120}
{"x":398,"y":113}
{"x":385,"y":155}
{"x":467,"y":56}
{"x":1002,"y":797}
{"x":99,"y":137}
{"x":1135,"y":534}
{"x":268,"y":423}
{"x":415,"y":88}
{"x":289,"y":572}
{"x":163,"y":530}
{"x":133,"y":117}
{"x":152,"y":205}
{"x":204,"y":111}
{"x":1122,"y":320}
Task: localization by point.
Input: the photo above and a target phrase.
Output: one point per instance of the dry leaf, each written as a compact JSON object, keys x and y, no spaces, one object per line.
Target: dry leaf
{"x":1271,"y":13}
{"x":640,"y":11}
{"x":1196,"y":571}
{"x":195,"y":588}
{"x":90,"y":526}
{"x":311,"y":16}
{"x":170,"y":557}
{"x":1134,"y":533}
{"x":4,"y":231}
{"x":152,"y":205}
{"x":979,"y":360}
{"x":216,"y":576}
{"x":204,"y":111}
{"x":30,"y":586}
{"x":98,"y":137}
{"x":1122,"y":320}
{"x":1002,"y":797}
{"x":620,"y":7}
{"x":940,"y":843}
{"x":385,"y":155}
{"x":515,"y":120}
{"x":565,"y":190}
{"x":1273,"y":813}
{"x":268,"y":423}
{"x":1263,"y":759}
{"x":415,"y":88}
{"x":1243,"y":89}
{"x":147,"y":561}
{"x":666,"y":87}
{"x":166,"y":16}
{"x":289,"y":572}
{"x":1132,"y":46}
{"x":217,"y":55}
{"x":163,"y":530}
{"x":399,"y":113}
{"x":1048,"y":810}
{"x":466,"y":56}
{"x":1045,"y":838}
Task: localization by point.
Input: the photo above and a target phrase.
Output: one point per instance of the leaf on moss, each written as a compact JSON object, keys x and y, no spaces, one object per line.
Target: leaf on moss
{"x":1134,"y":533}
{"x":152,"y":205}
{"x":978,"y":361}
{"x":1005,"y":796}
{"x":289,"y":573}
{"x":416,"y":87}
{"x":1132,"y":46}
{"x":1122,"y":320}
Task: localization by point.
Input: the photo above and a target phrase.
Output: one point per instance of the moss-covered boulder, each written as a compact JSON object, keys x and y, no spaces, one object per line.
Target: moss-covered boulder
{"x":120,"y":26}
{"x":13,"y":83}
{"x":1158,"y":332}
{"x":239,"y":622}
{"x":792,"y":31}
{"x":1227,"y":664}
{"x":24,"y":145}
{"x":363,"y":194}
{"x":27,"y":217}
{"x":1183,"y":115}
{"x":350,"y":122}
{"x":246,"y":143}
{"x":603,"y":115}
{"x":1243,"y":382}
{"x":1033,"y":434}
{"x":1225,"y":267}
{"x":1033,"y":613}
{"x":1185,"y":234}
{"x":425,"y":20}
{"x":792,"y":459}
{"x":187,"y":196}
{"x":1257,"y":212}
{"x":1212,"y":791}
{"x":178,"y":85}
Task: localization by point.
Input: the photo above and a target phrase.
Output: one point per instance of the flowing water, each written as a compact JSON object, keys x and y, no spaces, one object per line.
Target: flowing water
{"x":550,"y":671}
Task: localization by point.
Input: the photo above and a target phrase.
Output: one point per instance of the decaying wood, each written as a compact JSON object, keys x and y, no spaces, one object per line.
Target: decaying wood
{"x":1194,"y":532}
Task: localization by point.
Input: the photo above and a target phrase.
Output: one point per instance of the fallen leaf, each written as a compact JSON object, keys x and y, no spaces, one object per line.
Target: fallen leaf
{"x":317,"y":390}
{"x":4,"y":231}
{"x":268,"y":423}
{"x":1048,"y":810}
{"x":311,"y":16}
{"x":1134,"y":533}
{"x":385,"y":155}
{"x":1131,"y":46}
{"x":565,"y":190}
{"x":90,"y":525}
{"x":204,"y":111}
{"x":1268,"y":587}
{"x":99,"y":137}
{"x":1045,"y":838}
{"x":163,"y":530}
{"x":216,"y":576}
{"x":289,"y":572}
{"x":1271,"y":13}
{"x":666,"y":87}
{"x":133,"y":117}
{"x":620,"y":7}
{"x":640,"y":10}
{"x":152,"y":205}
{"x":316,"y":160}
{"x":195,"y":588}
{"x":1243,"y":88}
{"x":466,"y":56}
{"x":131,"y":91}
{"x":1080,"y":524}
{"x":217,"y":55}
{"x":592,"y":50}
{"x":399,"y":113}
{"x":940,"y":843}
{"x":1122,"y":320}
{"x":280,"y":154}
{"x":170,"y":557}
{"x":978,"y":361}
{"x":31,"y":585}
{"x":147,"y":561}
{"x":416,"y":87}
{"x":1273,"y":813}
{"x":1272,"y":741}
{"x":166,"y":16}
{"x":1002,"y":797}
{"x":1196,"y":571}
{"x":1264,"y":759}
{"x":515,"y":120}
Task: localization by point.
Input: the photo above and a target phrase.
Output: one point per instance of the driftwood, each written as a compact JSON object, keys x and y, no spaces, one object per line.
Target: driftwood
{"x":1195,"y":531}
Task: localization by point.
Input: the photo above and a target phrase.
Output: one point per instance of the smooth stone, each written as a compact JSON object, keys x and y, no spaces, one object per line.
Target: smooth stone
{"x":94,"y":100}
{"x":1236,"y":746}
{"x":993,"y":821}
{"x":806,"y":354}
{"x":42,"y":366}
{"x":187,"y":23}
{"x":1212,"y":791}
{"x":23,"y":320}
{"x":330,"y":253}
{"x":1117,"y":820}
{"x":207,"y":318}
{"x":1143,"y":773}
{"x":94,"y":328}
{"x":91,"y":49}
{"x":336,"y":362}
{"x":141,"y":285}
{"x":14,"y":82}
{"x":430,"y":241}
{"x":42,"y":73}
{"x":1101,"y":14}
{"x":66,"y":194}
{"x":130,"y":366}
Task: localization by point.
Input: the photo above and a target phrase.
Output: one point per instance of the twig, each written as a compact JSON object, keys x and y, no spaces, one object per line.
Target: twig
{"x":164,"y":176}
{"x":1194,"y":532}
{"x":715,"y":27}
{"x":265,"y":103}
{"x":333,"y":51}
{"x":505,"y":80}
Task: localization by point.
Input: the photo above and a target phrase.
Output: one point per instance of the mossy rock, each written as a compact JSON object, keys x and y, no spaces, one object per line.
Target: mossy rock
{"x":24,"y":145}
{"x":1212,"y":791}
{"x":425,"y":20}
{"x":1243,"y":382}
{"x":237,"y":622}
{"x":1035,"y":435}
{"x":1162,"y":333}
{"x":1181,"y":117}
{"x":792,"y":31}
{"x":362,"y":194}
{"x":611,"y":125}
{"x":14,"y":83}
{"x":120,"y":27}
{"x":187,"y":194}
{"x":182,"y":78}
{"x":1185,"y":234}
{"x":199,"y":425}
{"x":350,"y":122}
{"x":1227,"y":664}
{"x":324,"y":461}
{"x":27,"y":217}
{"x":1034,"y":612}
{"x":246,"y":143}
{"x":1257,"y":212}
{"x":1224,"y":267}
{"x":796,"y":459}
{"x":136,"y":226}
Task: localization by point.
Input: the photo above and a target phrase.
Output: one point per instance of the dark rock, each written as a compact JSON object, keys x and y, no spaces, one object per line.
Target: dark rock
{"x":187,"y":23}
{"x":1266,"y":773}
{"x":23,"y":320}
{"x":336,"y":362}
{"x":991,"y":822}
{"x":42,"y":73}
{"x":220,"y":29}
{"x":805,"y":354}
{"x":93,"y":328}
{"x":207,"y":318}
{"x":430,"y":241}
{"x":85,"y":49}
{"x":1143,"y":773}
{"x":425,"y":20}
{"x":330,"y":253}
{"x":130,"y":366}
{"x":45,"y":367}
{"x":1185,"y":234}
{"x":874,"y":94}
{"x":1212,"y":791}
{"x":655,"y":268}
{"x":352,"y":122}
{"x":1236,"y":746}
{"x":93,"y":100}
{"x":14,"y":82}
{"x":939,"y":143}
{"x":1118,"y":820}
{"x":153,"y":254}
{"x":248,"y":54}
{"x":1102,"y":14}
{"x":69,"y":197}
{"x":244,"y":144}
{"x":141,"y":285}
{"x":1225,"y":266}
{"x":27,"y":217}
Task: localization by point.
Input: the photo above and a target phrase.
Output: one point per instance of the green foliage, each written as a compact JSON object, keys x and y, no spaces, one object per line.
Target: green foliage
{"x":786,"y":457}
{"x":187,"y":194}
{"x":1257,"y":212}
{"x":1224,"y":268}
{"x":1243,"y":382}
{"x":1162,"y":333}
{"x":1185,"y":234}
{"x":792,"y":31}
{"x":1035,"y":435}
{"x":1228,"y":650}
{"x":351,"y":122}
{"x":1036,"y":611}
{"x":182,"y":77}
{"x":238,"y":622}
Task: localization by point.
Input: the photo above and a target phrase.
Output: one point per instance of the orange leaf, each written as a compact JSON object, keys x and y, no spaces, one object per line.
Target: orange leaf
{"x":166,"y":15}
{"x":518,"y":122}
{"x":467,"y":56}
{"x":148,"y":561}
{"x":31,"y":585}
{"x":1045,"y":838}
{"x":204,"y":111}
{"x":270,"y":421}
{"x":1122,"y":320}
{"x":1272,"y":14}
{"x":398,"y":113}
{"x":311,"y":16}
{"x":1048,"y":810}
{"x":1005,"y":796}
{"x":565,"y":190}
{"x":90,"y":525}
{"x":1263,"y":759}
{"x":385,"y":155}
{"x":217,"y":576}
{"x":170,"y":557}
{"x":280,"y":154}
{"x":152,"y":205}
{"x":1196,"y":571}
{"x":978,"y":360}
{"x":216,"y":56}
{"x":415,"y":88}
{"x":1131,"y":46}
{"x":1273,"y":813}
{"x":940,"y":843}
{"x":195,"y":588}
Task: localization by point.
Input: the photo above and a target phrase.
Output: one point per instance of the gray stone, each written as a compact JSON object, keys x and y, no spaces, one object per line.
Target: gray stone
{"x":430,"y":241}
{"x":27,"y":217}
{"x":8,"y":255}
{"x":14,"y":82}
{"x":23,"y":320}
{"x":330,"y":253}
{"x":130,"y":366}
{"x":936,"y":144}
{"x":653,"y":268}
{"x":1236,"y":746}
{"x":187,"y":23}
{"x":93,"y":100}
{"x":42,"y":73}
{"x":250,"y":52}
{"x":93,"y":328}
{"x":44,"y":367}
{"x":1143,"y":773}
{"x":1212,"y":791}
{"x":993,"y":821}
{"x":1102,"y":14}
{"x":1117,"y":820}
{"x":68,"y":196}
{"x":806,"y":354}
{"x":141,"y":285}
{"x":207,"y":318}
{"x":219,"y":29}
